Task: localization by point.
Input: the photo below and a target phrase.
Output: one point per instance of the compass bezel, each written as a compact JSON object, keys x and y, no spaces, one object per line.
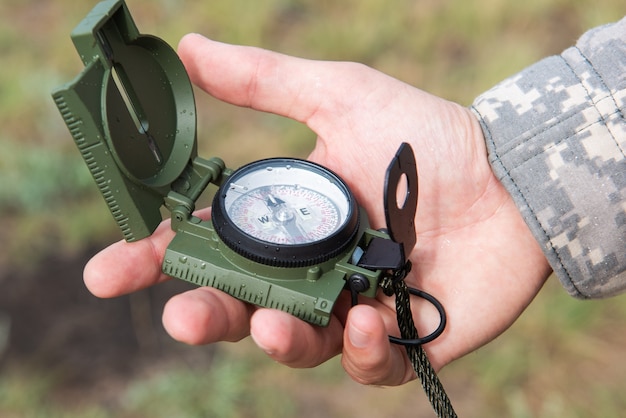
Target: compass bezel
{"x":280,"y":254}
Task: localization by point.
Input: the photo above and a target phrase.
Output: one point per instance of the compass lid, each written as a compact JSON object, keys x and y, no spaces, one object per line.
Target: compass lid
{"x":132,"y":114}
{"x":147,"y":100}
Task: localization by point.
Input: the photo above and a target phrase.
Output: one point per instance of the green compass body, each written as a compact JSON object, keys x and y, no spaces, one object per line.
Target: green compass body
{"x":285,"y":233}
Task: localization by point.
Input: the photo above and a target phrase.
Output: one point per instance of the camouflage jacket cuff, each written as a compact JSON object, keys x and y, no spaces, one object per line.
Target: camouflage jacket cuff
{"x":556,"y":138}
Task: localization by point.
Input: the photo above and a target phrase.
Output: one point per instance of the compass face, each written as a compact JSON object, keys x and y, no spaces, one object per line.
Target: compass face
{"x":285,"y":211}
{"x":265,"y":214}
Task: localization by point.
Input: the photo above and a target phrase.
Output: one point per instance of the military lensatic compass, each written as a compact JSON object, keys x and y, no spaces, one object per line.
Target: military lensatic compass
{"x":285,"y":233}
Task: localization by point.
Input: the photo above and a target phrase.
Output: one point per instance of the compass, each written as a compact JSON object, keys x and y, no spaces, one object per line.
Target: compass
{"x":285,"y":233}
{"x":285,"y":212}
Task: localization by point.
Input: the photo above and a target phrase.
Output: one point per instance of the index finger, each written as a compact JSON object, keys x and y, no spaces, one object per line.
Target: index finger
{"x":269,"y":81}
{"x":125,"y":267}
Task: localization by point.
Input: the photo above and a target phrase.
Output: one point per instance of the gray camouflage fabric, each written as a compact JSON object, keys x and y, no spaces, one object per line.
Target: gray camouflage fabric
{"x":556,"y":138}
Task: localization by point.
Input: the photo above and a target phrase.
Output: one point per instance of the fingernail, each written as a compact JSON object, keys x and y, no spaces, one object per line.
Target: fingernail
{"x":358,"y":338}
{"x":269,"y":351}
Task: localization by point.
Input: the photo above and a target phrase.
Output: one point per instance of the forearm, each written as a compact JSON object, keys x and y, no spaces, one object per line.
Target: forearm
{"x":556,"y":138}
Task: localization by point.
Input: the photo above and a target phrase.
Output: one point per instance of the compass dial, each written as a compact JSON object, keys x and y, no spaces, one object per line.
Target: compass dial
{"x":285,"y":212}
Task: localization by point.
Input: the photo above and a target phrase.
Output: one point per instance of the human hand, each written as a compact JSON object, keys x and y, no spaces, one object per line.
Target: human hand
{"x":474,"y":251}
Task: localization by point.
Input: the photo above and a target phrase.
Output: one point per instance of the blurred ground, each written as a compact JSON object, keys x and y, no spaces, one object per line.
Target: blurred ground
{"x":86,"y":353}
{"x":69,"y":354}
{"x":89,"y":345}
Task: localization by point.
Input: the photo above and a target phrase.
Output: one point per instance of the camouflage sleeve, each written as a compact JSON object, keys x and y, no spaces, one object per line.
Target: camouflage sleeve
{"x":556,"y":138}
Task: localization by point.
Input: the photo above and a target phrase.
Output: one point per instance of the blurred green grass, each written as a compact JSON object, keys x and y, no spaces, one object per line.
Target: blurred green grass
{"x":562,"y":358}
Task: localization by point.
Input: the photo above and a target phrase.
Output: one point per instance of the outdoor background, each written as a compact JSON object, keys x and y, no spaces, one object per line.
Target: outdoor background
{"x":64,"y":353}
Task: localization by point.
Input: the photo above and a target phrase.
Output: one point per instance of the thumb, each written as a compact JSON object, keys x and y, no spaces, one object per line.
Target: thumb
{"x":368,"y":356}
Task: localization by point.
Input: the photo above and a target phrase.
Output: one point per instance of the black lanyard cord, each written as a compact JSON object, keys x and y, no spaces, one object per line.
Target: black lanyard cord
{"x":421,"y":364}
{"x":395,"y":285}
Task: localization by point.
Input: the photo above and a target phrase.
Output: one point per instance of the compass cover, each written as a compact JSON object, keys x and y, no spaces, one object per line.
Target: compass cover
{"x":131,"y":112}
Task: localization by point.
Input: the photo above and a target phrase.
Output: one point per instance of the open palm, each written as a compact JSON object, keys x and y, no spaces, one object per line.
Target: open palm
{"x":474,"y":252}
